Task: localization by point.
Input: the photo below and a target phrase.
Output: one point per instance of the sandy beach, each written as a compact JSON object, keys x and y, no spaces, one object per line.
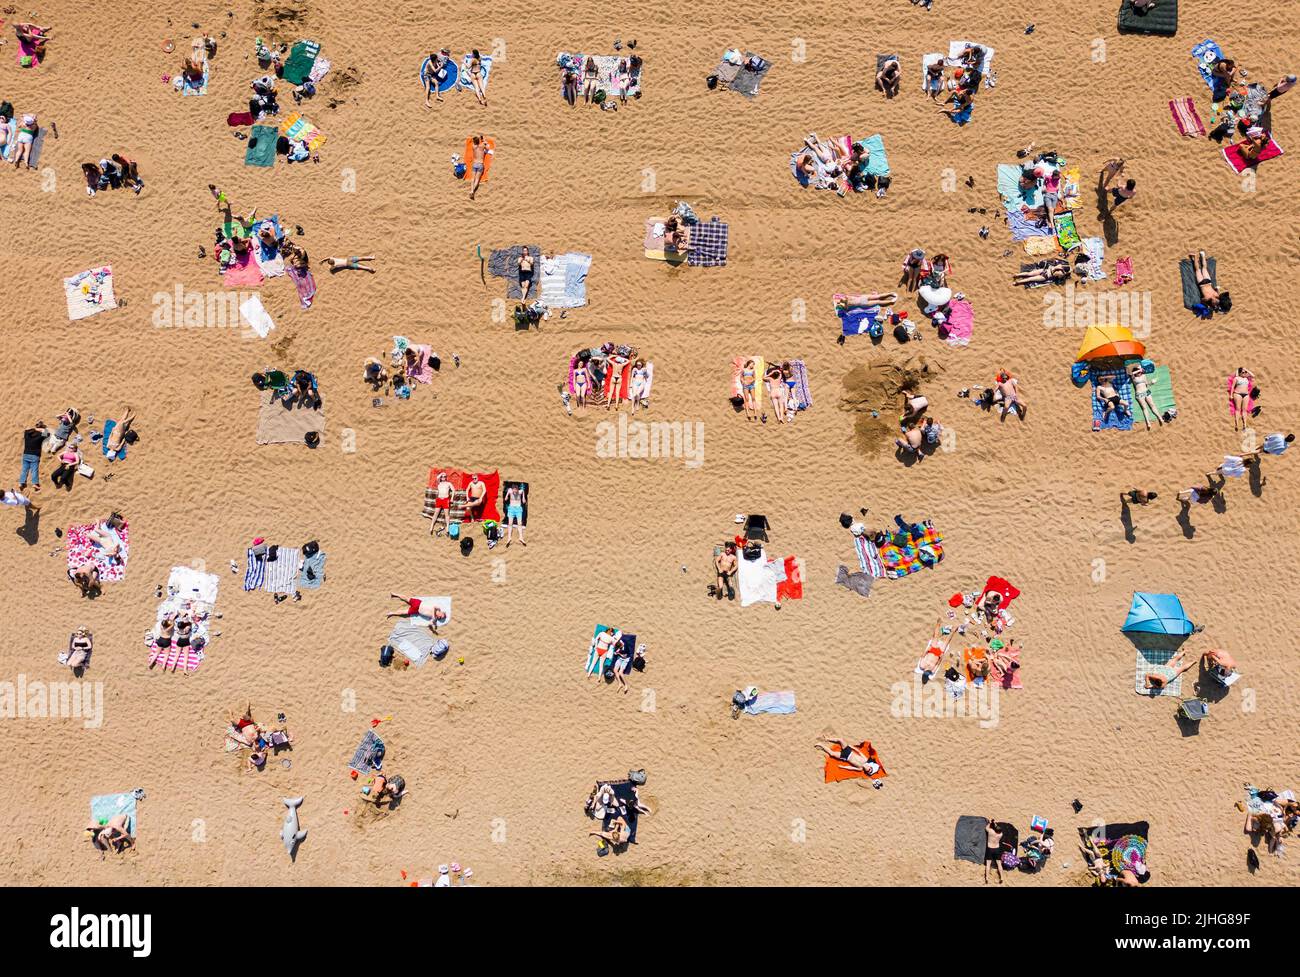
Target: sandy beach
{"x":501,"y":741}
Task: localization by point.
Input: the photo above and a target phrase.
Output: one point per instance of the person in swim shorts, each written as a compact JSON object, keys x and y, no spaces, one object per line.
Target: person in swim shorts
{"x":478,"y":163}
{"x":412,"y":606}
{"x":516,"y":499}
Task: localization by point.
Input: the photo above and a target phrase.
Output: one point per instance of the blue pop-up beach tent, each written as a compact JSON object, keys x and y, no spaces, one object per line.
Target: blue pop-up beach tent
{"x":1157,"y":614}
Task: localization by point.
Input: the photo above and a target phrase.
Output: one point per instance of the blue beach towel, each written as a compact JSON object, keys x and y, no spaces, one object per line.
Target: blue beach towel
{"x":255,"y":575}
{"x":709,"y":242}
{"x":1205,"y":54}
{"x":1119,"y":420}
{"x":369,"y":754}
{"x":466,"y":81}
{"x":103,"y":442}
{"x":772,"y":704}
{"x":962,"y":117}
{"x":450,"y":75}
{"x":189,"y":88}
{"x":316,"y":564}
{"x":106,"y":806}
{"x":856,"y":321}
{"x":878,"y":161}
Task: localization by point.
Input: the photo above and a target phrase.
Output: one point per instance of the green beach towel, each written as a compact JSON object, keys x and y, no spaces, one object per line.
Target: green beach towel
{"x":1162,"y":391}
{"x":1066,"y":233}
{"x":302,"y":58}
{"x":1009,"y":184}
{"x":877,"y":161}
{"x":261,"y":146}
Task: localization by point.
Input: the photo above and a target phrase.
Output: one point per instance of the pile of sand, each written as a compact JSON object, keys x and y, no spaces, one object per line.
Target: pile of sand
{"x":873,"y":392}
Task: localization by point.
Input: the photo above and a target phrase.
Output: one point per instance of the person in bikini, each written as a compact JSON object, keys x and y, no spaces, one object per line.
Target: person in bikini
{"x":1157,"y":682}
{"x":1142,"y":394}
{"x":1243,"y":383}
{"x":928,"y":664}
{"x":441,"y":503}
{"x":590,"y":79}
{"x":476,"y":77}
{"x":166,"y":629}
{"x":480,"y":150}
{"x":640,"y":378}
{"x":581,"y":385}
{"x":1211,"y":296}
{"x":776,"y":391}
{"x":116,"y":441}
{"x":748,"y":379}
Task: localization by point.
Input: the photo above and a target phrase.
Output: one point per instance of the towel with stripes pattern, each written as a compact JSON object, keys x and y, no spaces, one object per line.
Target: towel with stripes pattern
{"x":1184,"y":112}
{"x":278,"y":576}
{"x":868,"y":556}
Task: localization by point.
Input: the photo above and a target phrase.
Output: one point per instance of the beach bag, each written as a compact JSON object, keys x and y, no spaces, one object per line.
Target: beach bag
{"x":453,"y":530}
{"x":273,"y":554}
{"x":636,"y":776}
{"x":310,"y":549}
{"x":846,"y":520}
{"x":711,"y":81}
{"x":752,"y":551}
{"x":466,"y":546}
{"x":385,"y":656}
{"x":84,"y":469}
{"x":491,"y":531}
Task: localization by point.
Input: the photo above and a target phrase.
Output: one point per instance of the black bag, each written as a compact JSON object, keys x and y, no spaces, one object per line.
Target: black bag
{"x":385,"y":656}
{"x":753,"y":551}
{"x":131,"y":437}
{"x":466,"y":545}
{"x":711,"y":81}
{"x":272,"y":554}
{"x":310,"y":549}
{"x":846,"y":520}
{"x":259,"y":381}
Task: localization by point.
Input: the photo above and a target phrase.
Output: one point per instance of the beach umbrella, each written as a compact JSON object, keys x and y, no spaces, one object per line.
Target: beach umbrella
{"x":1101,"y":342}
{"x":1157,"y":614}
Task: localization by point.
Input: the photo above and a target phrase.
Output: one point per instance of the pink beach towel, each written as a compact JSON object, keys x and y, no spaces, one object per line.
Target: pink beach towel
{"x":1007,"y":679}
{"x":305,"y":284}
{"x":1232,"y":404}
{"x":1123,"y":271}
{"x":27,"y":50}
{"x":243,"y":272}
{"x":173,"y":658}
{"x":1184,"y":112}
{"x":1239,"y":164}
{"x":961,"y":323}
{"x":421,"y":371}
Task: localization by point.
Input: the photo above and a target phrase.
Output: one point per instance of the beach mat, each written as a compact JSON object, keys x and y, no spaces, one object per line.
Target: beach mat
{"x":103,"y":807}
{"x":81,"y":549}
{"x":1151,"y":661}
{"x":296,"y":127}
{"x":276,"y":425}
{"x":878,"y":161}
{"x":1205,"y":54}
{"x":1162,"y":389}
{"x":261,"y":146}
{"x":1232,"y":156}
{"x":969,"y":838}
{"x":363,"y":759}
{"x":412,"y":635}
{"x":1120,"y":420}
{"x":834,"y":769}
{"x":120,"y":453}
{"x":89,"y":292}
{"x":1095,"y":248}
{"x":1066,"y":233}
{"x":710,"y":241}
{"x":466,"y":81}
{"x":772,"y":704}
{"x":1161,"y":20}
{"x":451,"y":74}
{"x":302,"y":58}
{"x":38,"y":145}
{"x":487,"y":159}
{"x":504,"y":263}
{"x":747,"y":80}
{"x":1192,"y":291}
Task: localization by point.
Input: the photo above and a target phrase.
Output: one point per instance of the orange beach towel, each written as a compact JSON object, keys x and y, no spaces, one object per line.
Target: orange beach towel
{"x":487,"y":160}
{"x":835,"y":771}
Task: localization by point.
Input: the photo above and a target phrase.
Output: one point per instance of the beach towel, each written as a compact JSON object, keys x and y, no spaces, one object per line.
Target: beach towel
{"x":1150,"y":661}
{"x":504,"y":263}
{"x":120,"y":453}
{"x":1040,"y":244}
{"x":460,"y":480}
{"x":1066,"y":233}
{"x":81,"y":550}
{"x":193,"y":593}
{"x":302,"y":58}
{"x":304,"y":283}
{"x":450,"y":75}
{"x":369,"y":754}
{"x":1004,"y":677}
{"x":269,"y":257}
{"x":1192,"y":291}
{"x":860,"y":583}
{"x":105,"y":807}
{"x":276,"y":425}
{"x":1162,"y":19}
{"x":1120,"y":420}
{"x":926,"y":61}
{"x":1123,"y":271}
{"x":790,"y":586}
{"x":487,"y":159}
{"x":236,"y":119}
{"x":89,"y":292}
{"x":972,"y":655}
{"x":802,"y":391}
{"x":709,"y":242}
{"x":281,"y":576}
{"x":195,"y":88}
{"x":970,"y":839}
{"x":1022,"y":227}
{"x":319,"y":70}
{"x":254,"y":571}
{"x":961,"y":323}
{"x":1161,"y":386}
{"x":1232,"y":404}
{"x":878,"y":160}
{"x":1185,"y":118}
{"x":261,"y":146}
{"x":1232,"y":155}
{"x":1111,"y":835}
{"x":243,"y":271}
{"x":1009,"y":185}
{"x":625,"y":791}
{"x":772,"y":704}
{"x":312,"y":573}
{"x":1096,"y":251}
{"x":296,"y":127}
{"x":901,"y":556}
{"x":835,"y":770}
{"x":254,"y":313}
{"x":868,"y":556}
{"x":595,"y":663}
{"x":38,"y":144}
{"x":962,"y":117}
{"x":27,"y":56}
{"x":563,"y":280}
{"x":1205,"y":55}
{"x":756,"y":580}
{"x":11,"y":140}
{"x":413,"y":636}
{"x":421,"y":371}
{"x":747,"y":80}
{"x":858,"y":320}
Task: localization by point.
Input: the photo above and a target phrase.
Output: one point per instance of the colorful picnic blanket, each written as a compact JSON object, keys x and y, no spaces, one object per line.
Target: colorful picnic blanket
{"x":902,"y":555}
{"x":802,"y":390}
{"x":81,"y":550}
{"x":1205,"y":55}
{"x":295,"y":126}
{"x":89,"y":292}
{"x":709,"y":242}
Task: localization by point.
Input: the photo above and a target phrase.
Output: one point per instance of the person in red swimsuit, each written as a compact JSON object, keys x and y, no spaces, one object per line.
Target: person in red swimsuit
{"x":412,"y":606}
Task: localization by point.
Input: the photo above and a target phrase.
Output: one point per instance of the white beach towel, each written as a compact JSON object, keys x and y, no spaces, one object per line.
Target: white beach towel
{"x":254,"y":313}
{"x":926,"y":61}
{"x":757,"y":580}
{"x":89,"y":292}
{"x":281,"y":576}
{"x":957,"y":47}
{"x":194,"y":584}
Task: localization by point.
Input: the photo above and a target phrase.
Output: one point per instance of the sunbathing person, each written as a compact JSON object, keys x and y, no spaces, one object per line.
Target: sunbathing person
{"x":865,"y":300}
{"x":116,"y":441}
{"x":571,"y":84}
{"x":607,"y":645}
{"x":590,"y":79}
{"x":27,"y":132}
{"x":375,"y":373}
{"x":1142,"y":385}
{"x":477,"y":493}
{"x":581,"y":386}
{"x":850,"y":757}
{"x":618,"y":832}
{"x":961,"y":102}
{"x":676,"y":235}
{"x":349,"y":264}
{"x":935,"y":271}
{"x":1110,"y":400}
{"x":112,"y":835}
{"x":69,"y":462}
{"x":776,"y":391}
{"x":993,"y":832}
{"x":476,"y":79}
{"x":1219,"y":662}
{"x":109,"y":543}
{"x":1007,"y":395}
{"x":1212,"y":297}
{"x":888,"y":78}
{"x":725,"y":565}
{"x":34,"y":37}
{"x":1243,"y":386}
{"x":748,"y":381}
{"x":526,"y":272}
{"x":86,"y":577}
{"x":434,"y":74}
{"x":441,"y":502}
{"x":1054,"y":273}
{"x":934,"y":79}
{"x":1158,"y":682}
{"x":934,"y":652}
{"x":243,"y":729}
{"x":640,"y":380}
{"x":515,"y":498}
{"x":413,"y":605}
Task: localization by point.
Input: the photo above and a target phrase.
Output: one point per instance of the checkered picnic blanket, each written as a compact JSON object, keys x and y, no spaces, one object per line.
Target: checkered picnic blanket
{"x":709,"y":240}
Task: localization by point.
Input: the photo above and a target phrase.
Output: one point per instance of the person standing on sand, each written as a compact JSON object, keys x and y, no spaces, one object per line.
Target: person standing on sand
{"x":1137,"y":497}
{"x":993,"y":849}
{"x":1201,"y":494}
{"x":480,"y":150}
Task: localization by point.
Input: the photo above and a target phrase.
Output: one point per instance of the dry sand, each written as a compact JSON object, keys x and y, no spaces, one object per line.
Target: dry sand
{"x":501,"y":752}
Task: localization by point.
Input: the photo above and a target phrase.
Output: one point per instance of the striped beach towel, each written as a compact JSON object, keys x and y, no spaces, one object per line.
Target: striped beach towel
{"x":1096,"y":249}
{"x":369,"y":754}
{"x":802,"y":390}
{"x":278,"y":576}
{"x":868,"y":556}
{"x":1184,"y":112}
{"x":709,"y":242}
